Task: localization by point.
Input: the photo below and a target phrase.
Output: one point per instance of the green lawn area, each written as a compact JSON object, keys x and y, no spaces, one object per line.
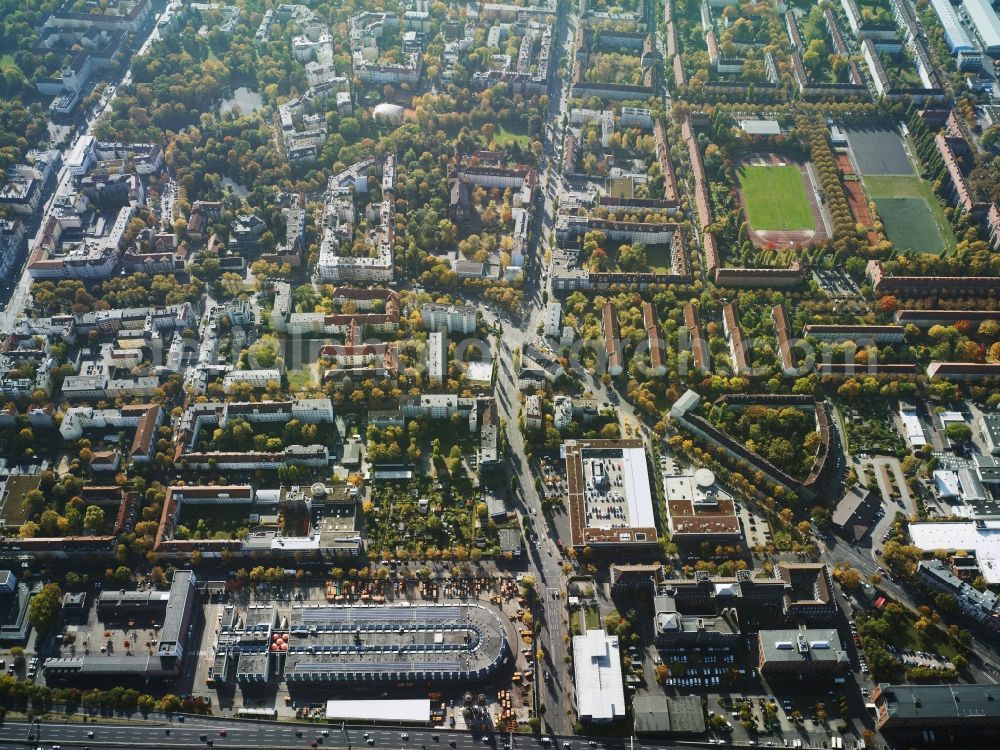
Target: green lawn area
{"x":7,"y":61}
{"x":932,"y":640}
{"x":900,"y":70}
{"x":12,"y":509}
{"x":505,"y":137}
{"x":913,"y":216}
{"x":775,"y":198}
{"x":593,"y":618}
{"x":299,"y":380}
{"x":217,"y":521}
{"x":450,"y":437}
{"x":909,"y":224}
{"x":621,"y":187}
{"x":658,"y":258}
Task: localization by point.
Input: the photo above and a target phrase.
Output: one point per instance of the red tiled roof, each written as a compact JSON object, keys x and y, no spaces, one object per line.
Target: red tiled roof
{"x":654,"y":336}
{"x":698,"y":349}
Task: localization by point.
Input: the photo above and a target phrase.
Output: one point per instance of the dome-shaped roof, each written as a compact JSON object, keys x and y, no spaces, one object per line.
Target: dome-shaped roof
{"x":704,"y":478}
{"x":392,"y":111}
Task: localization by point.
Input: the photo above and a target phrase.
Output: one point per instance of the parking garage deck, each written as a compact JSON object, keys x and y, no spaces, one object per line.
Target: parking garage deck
{"x":462,"y":641}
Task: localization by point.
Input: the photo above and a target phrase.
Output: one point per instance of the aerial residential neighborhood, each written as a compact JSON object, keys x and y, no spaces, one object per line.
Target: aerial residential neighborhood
{"x":546,"y":374}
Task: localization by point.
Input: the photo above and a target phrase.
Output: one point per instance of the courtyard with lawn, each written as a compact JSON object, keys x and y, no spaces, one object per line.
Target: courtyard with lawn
{"x":775,"y":198}
{"x":658,"y":259}
{"x":506,"y":137}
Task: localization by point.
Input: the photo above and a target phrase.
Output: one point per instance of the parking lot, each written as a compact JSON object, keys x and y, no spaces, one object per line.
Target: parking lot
{"x":836,"y":283}
{"x":705,"y":667}
{"x":668,"y":466}
{"x":756,"y":530}
{"x":912,"y":658}
{"x":604,"y":496}
{"x":888,"y":473}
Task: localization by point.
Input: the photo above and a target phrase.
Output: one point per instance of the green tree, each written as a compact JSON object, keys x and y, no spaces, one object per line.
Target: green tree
{"x":958,"y":432}
{"x":157,"y":577}
{"x":632,"y":257}
{"x":264,"y":354}
{"x":93,"y":520}
{"x":169,"y":703}
{"x":528,"y":584}
{"x":44,"y":607}
{"x":32,"y":503}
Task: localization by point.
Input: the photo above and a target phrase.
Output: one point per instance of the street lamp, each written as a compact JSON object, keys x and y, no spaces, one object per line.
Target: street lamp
{"x":36,"y":726}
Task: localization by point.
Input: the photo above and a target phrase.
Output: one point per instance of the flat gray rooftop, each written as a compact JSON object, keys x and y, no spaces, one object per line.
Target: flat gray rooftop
{"x":941,"y":701}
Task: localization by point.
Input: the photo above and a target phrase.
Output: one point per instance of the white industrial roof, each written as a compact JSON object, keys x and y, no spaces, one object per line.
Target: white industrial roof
{"x":946,"y":483}
{"x":973,"y":491}
{"x":952,"y":26}
{"x":638,"y":495}
{"x":597,"y":668}
{"x":986,"y":22}
{"x":410,"y":710}
{"x":984,"y":539}
{"x":912,"y":427}
{"x":295,"y":542}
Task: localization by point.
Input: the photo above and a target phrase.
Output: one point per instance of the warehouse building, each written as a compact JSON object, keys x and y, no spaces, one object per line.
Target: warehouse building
{"x":855,"y":514}
{"x":967,"y":56}
{"x":660,"y":715}
{"x":933,"y":706}
{"x":989,"y":428}
{"x":247,"y":646}
{"x":174,"y":609}
{"x":984,"y":18}
{"x":981,"y":538}
{"x":597,"y":670}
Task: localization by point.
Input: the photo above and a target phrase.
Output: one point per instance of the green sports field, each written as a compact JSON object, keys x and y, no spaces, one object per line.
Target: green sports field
{"x":909,"y":224}
{"x":775,"y":198}
{"x":913,"y":216}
